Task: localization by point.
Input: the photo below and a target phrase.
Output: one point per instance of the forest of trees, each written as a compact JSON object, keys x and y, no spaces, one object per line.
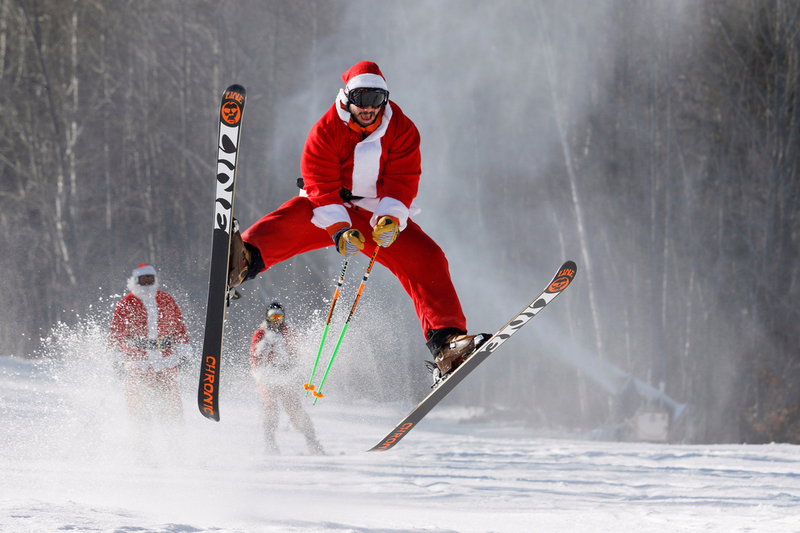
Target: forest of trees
{"x":663,"y":136}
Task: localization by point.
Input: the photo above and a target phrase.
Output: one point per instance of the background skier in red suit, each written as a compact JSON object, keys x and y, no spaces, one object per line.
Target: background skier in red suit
{"x":273,"y":362}
{"x":147,"y":340}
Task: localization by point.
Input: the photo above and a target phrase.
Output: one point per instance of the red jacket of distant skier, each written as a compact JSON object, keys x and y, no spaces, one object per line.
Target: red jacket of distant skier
{"x":270,"y":348}
{"x":130,"y":323}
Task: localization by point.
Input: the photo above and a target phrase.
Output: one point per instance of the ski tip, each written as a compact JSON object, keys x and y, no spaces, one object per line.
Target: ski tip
{"x":211,"y":416}
{"x":563,"y":277}
{"x":236,"y":88}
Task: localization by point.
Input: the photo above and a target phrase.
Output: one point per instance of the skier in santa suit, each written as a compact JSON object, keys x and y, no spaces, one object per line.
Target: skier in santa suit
{"x":273,"y":361}
{"x":147,"y":340}
{"x":360,"y":174}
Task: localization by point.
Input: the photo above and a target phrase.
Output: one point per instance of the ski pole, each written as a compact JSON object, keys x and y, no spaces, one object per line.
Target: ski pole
{"x":308,"y":386}
{"x":318,"y":393}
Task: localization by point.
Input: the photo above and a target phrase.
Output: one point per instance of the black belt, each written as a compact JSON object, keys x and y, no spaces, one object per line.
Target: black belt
{"x":345,"y":194}
{"x":142,"y":343}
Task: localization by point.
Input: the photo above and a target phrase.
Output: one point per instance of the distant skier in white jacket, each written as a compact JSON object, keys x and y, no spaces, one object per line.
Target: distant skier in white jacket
{"x":273,"y":362}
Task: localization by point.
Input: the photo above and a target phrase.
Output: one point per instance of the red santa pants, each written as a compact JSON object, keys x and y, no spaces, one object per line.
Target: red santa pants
{"x":150,"y":394}
{"x":272,"y":396}
{"x":414,"y":258}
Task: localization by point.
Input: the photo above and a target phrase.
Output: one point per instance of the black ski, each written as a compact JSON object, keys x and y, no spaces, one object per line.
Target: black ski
{"x":560,"y":281}
{"x":230,"y":125}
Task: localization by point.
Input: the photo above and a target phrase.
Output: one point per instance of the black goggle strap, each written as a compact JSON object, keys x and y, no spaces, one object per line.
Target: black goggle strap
{"x":366,"y":97}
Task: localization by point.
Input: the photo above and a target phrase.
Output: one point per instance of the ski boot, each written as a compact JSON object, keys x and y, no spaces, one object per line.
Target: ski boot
{"x":244,"y":260}
{"x":270,"y":446}
{"x":314,"y":446}
{"x":455,"y":349}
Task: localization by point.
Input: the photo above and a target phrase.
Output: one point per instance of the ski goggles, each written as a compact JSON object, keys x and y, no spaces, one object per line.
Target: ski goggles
{"x":368,"y":97}
{"x":275,"y":317}
{"x":146,"y":280}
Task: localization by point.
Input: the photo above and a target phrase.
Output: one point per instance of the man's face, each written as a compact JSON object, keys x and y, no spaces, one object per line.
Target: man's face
{"x":364,"y":116}
{"x":365,"y":104}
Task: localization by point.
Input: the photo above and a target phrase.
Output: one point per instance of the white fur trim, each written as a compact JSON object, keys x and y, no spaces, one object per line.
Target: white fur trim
{"x":152,"y":316}
{"x":366,"y":168}
{"x":372,"y":81}
{"x":154,"y":358}
{"x":145,"y":270}
{"x":341,"y":100}
{"x":367,"y":204}
{"x":161,"y":363}
{"x":391,"y":207}
{"x":142,"y":291}
{"x":367,"y":159}
{"x":328,"y":215}
{"x":371,"y":205}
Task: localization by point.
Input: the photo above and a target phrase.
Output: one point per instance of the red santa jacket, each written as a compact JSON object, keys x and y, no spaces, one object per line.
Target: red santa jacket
{"x":384,"y":169}
{"x":272,"y":350}
{"x":129,"y":333}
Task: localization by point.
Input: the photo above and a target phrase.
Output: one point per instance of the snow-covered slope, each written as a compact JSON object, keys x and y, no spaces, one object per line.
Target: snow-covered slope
{"x":66,"y":465}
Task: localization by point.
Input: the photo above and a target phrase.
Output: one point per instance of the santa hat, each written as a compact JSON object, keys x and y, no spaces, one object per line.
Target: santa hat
{"x":144,"y":270}
{"x":364,"y":74}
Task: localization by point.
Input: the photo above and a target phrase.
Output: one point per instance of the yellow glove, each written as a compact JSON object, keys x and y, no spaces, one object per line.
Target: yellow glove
{"x":350,"y":242}
{"x":386,"y":230}
{"x":347,"y":240}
